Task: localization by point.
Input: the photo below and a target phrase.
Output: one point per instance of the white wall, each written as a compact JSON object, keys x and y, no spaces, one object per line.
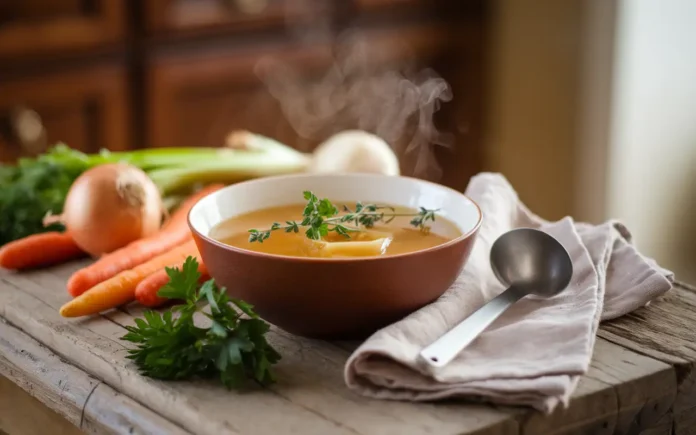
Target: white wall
{"x":652,"y":143}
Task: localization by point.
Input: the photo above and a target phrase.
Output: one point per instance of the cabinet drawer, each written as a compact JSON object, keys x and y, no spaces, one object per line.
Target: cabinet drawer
{"x":86,"y":109}
{"x":186,"y":16}
{"x":40,"y":27}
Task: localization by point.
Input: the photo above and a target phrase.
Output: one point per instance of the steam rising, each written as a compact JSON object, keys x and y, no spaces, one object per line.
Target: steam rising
{"x":356,"y":91}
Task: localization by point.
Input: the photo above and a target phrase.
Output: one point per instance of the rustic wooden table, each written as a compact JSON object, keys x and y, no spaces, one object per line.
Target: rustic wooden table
{"x":642,"y":380}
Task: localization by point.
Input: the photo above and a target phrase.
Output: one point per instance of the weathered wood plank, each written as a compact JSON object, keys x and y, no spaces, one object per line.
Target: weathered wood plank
{"x":298,"y":403}
{"x":200,"y":407}
{"x":618,"y":395}
{"x":311,"y":374}
{"x":685,"y":423}
{"x":62,"y":387}
{"x":664,"y":331}
{"x":662,"y":427}
{"x":626,"y":391}
{"x":110,"y":412}
{"x":316,"y":381}
{"x":592,"y":409}
{"x":622,"y":393}
{"x":79,"y":398}
{"x":21,"y":413}
{"x":645,"y":388}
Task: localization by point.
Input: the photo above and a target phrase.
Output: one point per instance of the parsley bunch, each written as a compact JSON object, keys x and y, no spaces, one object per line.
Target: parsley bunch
{"x":33,"y":188}
{"x":233,"y":347}
{"x":320,"y":217}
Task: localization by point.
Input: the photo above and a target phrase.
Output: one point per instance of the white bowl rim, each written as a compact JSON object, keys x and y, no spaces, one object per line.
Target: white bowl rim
{"x":289,"y":258}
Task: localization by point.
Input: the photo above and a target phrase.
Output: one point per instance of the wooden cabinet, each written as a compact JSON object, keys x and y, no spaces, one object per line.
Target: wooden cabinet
{"x":87,"y":109}
{"x":165,"y":17}
{"x":46,"y":28}
{"x":159,"y":73}
{"x":218,"y":90}
{"x":197,"y":98}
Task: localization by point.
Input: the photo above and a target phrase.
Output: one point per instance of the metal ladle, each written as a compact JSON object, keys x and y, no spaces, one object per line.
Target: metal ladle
{"x":526,"y":260}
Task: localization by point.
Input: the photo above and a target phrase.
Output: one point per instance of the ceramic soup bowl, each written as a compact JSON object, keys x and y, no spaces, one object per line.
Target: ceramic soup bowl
{"x":337,"y":298}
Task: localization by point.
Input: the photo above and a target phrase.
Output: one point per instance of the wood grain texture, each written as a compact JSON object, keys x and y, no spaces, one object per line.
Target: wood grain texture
{"x":86,"y":109}
{"x":67,"y":394}
{"x":627,"y":390}
{"x":622,"y":393}
{"x":108,"y":411}
{"x":22,"y":414}
{"x":75,"y":30}
{"x":665,"y":331}
{"x":62,"y":387}
{"x":301,"y":402}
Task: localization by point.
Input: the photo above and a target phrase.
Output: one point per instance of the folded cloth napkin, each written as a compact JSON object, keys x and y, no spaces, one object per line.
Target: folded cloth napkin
{"x":534,"y":354}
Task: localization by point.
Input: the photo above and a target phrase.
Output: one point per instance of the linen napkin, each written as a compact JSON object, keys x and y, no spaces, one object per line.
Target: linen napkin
{"x":534,"y":354}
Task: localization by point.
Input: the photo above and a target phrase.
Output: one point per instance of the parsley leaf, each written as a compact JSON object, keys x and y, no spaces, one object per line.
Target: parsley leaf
{"x":234,"y":348}
{"x":182,"y":283}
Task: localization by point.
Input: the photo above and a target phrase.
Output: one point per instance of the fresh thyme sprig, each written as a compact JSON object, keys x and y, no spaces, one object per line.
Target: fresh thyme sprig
{"x":233,"y":347}
{"x":320,"y":218}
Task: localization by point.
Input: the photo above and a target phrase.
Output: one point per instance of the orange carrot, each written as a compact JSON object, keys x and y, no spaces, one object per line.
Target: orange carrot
{"x":179,"y":218}
{"x":146,"y":291}
{"x":120,"y":289}
{"x":42,"y":249}
{"x":174,"y":232}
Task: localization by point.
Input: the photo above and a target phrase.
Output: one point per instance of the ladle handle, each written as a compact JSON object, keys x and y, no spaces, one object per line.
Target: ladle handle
{"x":444,"y":349}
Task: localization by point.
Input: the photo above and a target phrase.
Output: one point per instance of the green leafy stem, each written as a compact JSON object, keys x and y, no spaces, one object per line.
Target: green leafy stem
{"x":320,"y":218}
{"x":233,"y":347}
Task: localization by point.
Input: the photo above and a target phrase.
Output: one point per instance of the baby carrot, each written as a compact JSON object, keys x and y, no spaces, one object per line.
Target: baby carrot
{"x":42,"y":249}
{"x":146,"y":291}
{"x":120,"y":289}
{"x":174,"y":232}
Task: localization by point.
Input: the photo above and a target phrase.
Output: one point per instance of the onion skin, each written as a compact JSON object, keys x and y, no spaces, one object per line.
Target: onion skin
{"x":110,"y":206}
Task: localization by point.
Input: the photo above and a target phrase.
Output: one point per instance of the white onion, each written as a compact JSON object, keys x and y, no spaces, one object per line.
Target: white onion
{"x":354,"y":151}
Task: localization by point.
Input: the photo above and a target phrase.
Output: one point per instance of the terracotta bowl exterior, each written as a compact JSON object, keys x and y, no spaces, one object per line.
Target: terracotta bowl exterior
{"x":335,"y":298}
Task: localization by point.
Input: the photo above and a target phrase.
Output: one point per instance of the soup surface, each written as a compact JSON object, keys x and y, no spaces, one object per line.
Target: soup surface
{"x":395,"y":237}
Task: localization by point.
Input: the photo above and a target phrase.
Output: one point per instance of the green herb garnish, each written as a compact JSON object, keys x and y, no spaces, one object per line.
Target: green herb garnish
{"x":233,"y":347}
{"x":320,"y":218}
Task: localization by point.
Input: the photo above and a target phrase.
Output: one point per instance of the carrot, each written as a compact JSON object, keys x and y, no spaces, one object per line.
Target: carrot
{"x":146,"y":291}
{"x":180,"y":216}
{"x":120,"y":289}
{"x":42,"y":249}
{"x":174,"y":232}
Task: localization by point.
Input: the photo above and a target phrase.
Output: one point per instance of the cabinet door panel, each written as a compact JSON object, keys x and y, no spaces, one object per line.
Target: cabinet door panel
{"x":86,"y":109}
{"x":39,"y":27}
{"x":196,"y":99}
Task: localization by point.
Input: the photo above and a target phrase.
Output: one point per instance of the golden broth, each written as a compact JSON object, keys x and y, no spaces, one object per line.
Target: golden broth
{"x":396,"y":237}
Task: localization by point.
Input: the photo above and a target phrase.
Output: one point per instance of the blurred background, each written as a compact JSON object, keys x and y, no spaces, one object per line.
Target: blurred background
{"x":587,"y":106}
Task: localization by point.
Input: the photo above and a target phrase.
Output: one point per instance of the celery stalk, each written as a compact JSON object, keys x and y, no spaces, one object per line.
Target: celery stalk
{"x":36,"y":186}
{"x":248,"y":156}
{"x":233,"y":168}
